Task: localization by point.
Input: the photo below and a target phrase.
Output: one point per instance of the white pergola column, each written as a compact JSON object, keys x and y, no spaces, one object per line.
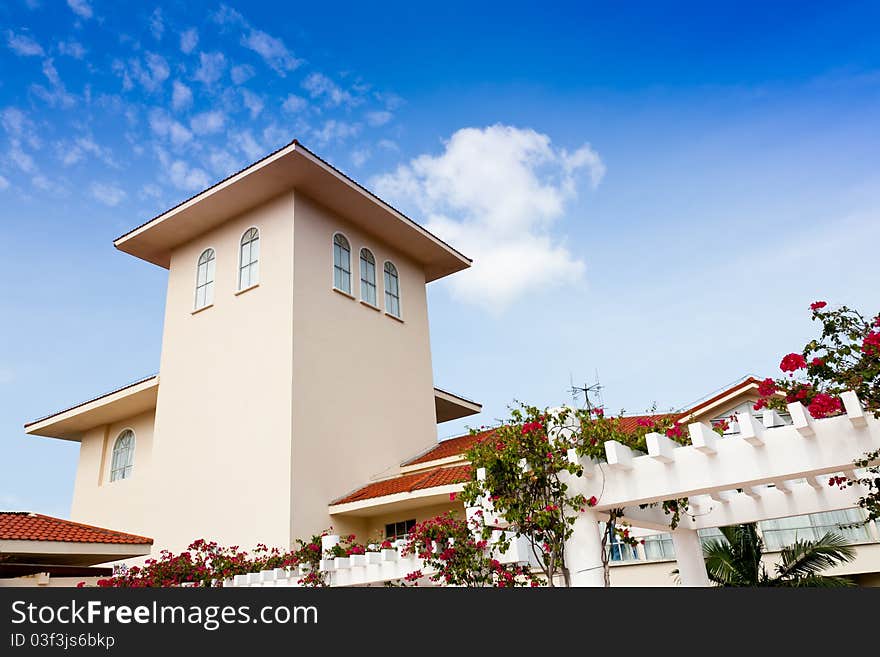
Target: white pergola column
{"x":689,"y":555}
{"x":583,"y":552}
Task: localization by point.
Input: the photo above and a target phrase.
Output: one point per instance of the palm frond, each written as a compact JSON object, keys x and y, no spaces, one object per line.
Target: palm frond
{"x":805,"y":558}
{"x":722,"y":565}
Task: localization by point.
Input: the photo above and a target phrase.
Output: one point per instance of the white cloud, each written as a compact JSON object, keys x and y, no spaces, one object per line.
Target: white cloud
{"x":109,"y":195}
{"x":222,"y":162}
{"x":81,"y":8}
{"x":189,"y":40}
{"x":252,"y":102}
{"x":4,"y":183}
{"x":164,"y":126}
{"x":19,"y":127}
{"x":208,"y":123}
{"x":294,"y":103}
{"x":242,"y":73}
{"x":272,"y":50}
{"x":360,"y":156}
{"x":23,"y":45}
{"x":376,"y":119}
{"x":320,"y":86}
{"x":494,"y":194}
{"x":187,"y":178}
{"x":58,"y":95}
{"x":181,"y":96}
{"x":211,"y":67}
{"x":333,"y":131}
{"x":388,"y":145}
{"x":248,"y":145}
{"x":150,"y":73}
{"x":71,"y":153}
{"x":21,"y":159}
{"x":71,"y":49}
{"x":157,"y":24}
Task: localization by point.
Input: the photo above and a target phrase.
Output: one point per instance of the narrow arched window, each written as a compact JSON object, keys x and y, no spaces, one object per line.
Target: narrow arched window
{"x":249,"y":259}
{"x":205,"y":279}
{"x":368,"y":277}
{"x":392,"y":290}
{"x":341,"y":263}
{"x":123,"y":456}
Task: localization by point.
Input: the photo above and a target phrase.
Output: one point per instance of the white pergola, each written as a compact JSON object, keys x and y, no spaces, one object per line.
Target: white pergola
{"x":769,"y":470}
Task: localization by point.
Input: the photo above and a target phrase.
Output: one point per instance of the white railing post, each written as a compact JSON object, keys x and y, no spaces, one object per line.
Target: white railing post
{"x":583,"y":552}
{"x":689,"y":555}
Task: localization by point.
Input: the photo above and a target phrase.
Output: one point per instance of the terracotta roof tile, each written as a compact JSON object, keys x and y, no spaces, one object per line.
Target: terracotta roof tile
{"x":409,"y":482}
{"x":24,"y":526}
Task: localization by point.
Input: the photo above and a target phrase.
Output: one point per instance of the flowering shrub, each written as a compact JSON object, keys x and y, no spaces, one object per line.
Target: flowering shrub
{"x":458,"y":557}
{"x":205,"y":561}
{"x":526,"y":465}
{"x":346,"y":547}
{"x":845,"y":356}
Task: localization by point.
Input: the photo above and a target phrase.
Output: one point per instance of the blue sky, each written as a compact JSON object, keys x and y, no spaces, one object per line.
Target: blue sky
{"x":659,"y":190}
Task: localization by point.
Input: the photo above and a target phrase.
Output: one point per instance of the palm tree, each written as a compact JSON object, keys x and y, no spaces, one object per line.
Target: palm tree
{"x":737,"y":561}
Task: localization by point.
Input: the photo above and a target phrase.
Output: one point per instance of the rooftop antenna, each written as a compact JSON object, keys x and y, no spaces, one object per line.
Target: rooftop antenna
{"x":592,"y":393}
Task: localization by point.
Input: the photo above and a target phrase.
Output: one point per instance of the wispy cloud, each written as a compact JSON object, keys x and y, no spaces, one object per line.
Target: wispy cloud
{"x":495,"y":193}
{"x":211,"y":67}
{"x":321,"y":87}
{"x":22,"y":44}
{"x":241,"y":73}
{"x":166,"y":127}
{"x":157,"y":24}
{"x":207,"y":123}
{"x":108,"y":194}
{"x":272,"y":50}
{"x":189,"y":40}
{"x":252,"y":102}
{"x":4,"y":183}
{"x":150,"y":73}
{"x":81,"y":8}
{"x":335,"y":131}
{"x":379,"y":118}
{"x":181,"y":96}
{"x":294,"y":104}
{"x":71,"y":49}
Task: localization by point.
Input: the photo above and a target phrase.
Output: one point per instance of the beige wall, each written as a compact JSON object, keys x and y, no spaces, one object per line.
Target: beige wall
{"x":363,"y":392}
{"x":126,"y":504}
{"x":222,"y":444}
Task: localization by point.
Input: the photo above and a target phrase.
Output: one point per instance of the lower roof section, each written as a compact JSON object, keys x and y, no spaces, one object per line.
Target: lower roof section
{"x":453,"y":407}
{"x":72,"y":423}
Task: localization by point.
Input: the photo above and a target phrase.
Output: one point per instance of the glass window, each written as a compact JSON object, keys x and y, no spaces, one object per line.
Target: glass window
{"x":619,"y":551}
{"x":123,"y":456}
{"x":205,"y":279}
{"x":659,"y":546}
{"x":399,"y":529}
{"x":249,"y":259}
{"x":785,"y":531}
{"x":341,"y":263}
{"x":392,"y":290}
{"x":368,"y":277}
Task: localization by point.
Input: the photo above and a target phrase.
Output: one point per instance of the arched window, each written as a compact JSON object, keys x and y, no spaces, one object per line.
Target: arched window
{"x":368,"y":277}
{"x":205,"y":279}
{"x":249,"y":259}
{"x":392,"y":290}
{"x":123,"y":456}
{"x":341,"y":263}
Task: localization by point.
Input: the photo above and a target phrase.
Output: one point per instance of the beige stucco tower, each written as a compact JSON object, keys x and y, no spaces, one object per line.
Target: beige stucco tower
{"x":281,"y":386}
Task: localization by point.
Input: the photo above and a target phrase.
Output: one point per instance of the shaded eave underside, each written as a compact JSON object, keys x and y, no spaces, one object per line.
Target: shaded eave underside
{"x":291,"y":167}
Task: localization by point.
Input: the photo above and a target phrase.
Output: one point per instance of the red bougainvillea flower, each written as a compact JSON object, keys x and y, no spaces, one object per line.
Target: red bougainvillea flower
{"x":817,"y":305}
{"x":761,"y":403}
{"x":592,"y":501}
{"x":599,"y":411}
{"x":817,"y":362}
{"x":767,"y":387}
{"x":872,"y":343}
{"x":674,"y":431}
{"x":530,"y":427}
{"x":824,"y":406}
{"x":452,"y":497}
{"x":792,"y":362}
{"x":645,"y":422}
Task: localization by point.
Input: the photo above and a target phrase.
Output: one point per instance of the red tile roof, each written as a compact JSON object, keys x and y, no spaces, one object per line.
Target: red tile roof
{"x":410,"y":482}
{"x":24,"y":526}
{"x":450,"y":447}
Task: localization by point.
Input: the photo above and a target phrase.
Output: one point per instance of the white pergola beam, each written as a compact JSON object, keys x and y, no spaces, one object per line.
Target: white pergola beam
{"x":660,"y":447}
{"x":853,"y":409}
{"x":749,"y":429}
{"x":703,"y":438}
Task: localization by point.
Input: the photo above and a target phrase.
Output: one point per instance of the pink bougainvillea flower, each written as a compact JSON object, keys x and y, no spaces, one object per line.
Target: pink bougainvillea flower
{"x":767,"y":387}
{"x":872,"y":343}
{"x":817,"y":305}
{"x":824,"y":406}
{"x":792,"y":362}
{"x":452,"y":497}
